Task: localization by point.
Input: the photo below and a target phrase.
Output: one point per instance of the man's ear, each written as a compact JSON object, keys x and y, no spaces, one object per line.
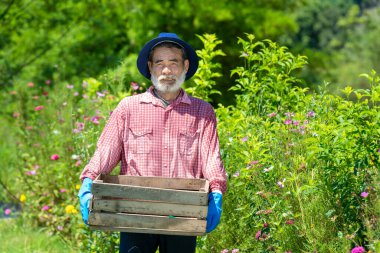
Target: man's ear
{"x":187,"y":65}
{"x":150,"y":66}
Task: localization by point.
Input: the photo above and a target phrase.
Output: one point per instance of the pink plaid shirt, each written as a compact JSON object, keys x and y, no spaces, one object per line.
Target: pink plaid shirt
{"x":180,"y":140}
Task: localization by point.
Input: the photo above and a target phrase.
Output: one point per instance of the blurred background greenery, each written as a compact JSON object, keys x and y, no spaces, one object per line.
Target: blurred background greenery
{"x":71,"y":40}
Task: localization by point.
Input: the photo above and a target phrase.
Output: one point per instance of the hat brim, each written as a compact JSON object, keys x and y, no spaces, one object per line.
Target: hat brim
{"x":142,"y":60}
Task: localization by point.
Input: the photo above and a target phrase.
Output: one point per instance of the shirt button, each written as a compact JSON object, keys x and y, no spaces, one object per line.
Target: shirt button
{"x":165,"y":165}
{"x":166,"y":147}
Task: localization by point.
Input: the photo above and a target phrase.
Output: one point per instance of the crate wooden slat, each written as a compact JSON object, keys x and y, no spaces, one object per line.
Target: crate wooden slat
{"x":157,"y":205}
{"x":149,"y":193}
{"x":148,"y":223}
{"x":146,"y":207}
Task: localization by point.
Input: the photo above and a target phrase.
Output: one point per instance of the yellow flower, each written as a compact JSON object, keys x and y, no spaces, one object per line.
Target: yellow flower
{"x":70,"y":209}
{"x":77,"y":186}
{"x":22,"y":198}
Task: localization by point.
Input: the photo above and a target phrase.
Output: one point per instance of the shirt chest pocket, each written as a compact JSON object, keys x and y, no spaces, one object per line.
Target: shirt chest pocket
{"x":141,"y":140}
{"x":188,"y":141}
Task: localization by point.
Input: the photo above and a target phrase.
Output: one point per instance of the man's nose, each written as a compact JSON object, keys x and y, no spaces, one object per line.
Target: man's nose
{"x":166,"y":70}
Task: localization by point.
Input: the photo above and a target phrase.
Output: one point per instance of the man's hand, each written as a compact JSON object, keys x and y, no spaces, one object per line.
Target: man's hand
{"x":214,"y":210}
{"x":84,"y":198}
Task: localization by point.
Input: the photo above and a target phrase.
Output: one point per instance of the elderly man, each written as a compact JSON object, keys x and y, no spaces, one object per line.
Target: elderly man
{"x":163,"y":132}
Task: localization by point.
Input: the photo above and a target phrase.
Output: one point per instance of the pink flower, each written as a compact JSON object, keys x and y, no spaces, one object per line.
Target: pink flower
{"x":253,"y":162}
{"x":296,"y":123}
{"x":60,"y":228}
{"x":258,"y":234}
{"x":62,"y":190}
{"x":31,"y":172}
{"x":30,"y":84}
{"x":16,"y":114}
{"x":45,"y":208}
{"x":378,"y":150}
{"x":235,"y":251}
{"x":271,"y":115}
{"x":38,"y":108}
{"x":7,"y":211}
{"x":288,"y":122}
{"x":358,"y":249}
{"x":95,"y":120}
{"x":79,"y":162}
{"x":289,"y":222}
{"x":48,"y":82}
{"x":100,"y":95}
{"x":266,"y":225}
{"x":289,"y":114}
{"x":244,"y":139}
{"x":364,"y":194}
{"x":54,"y":157}
{"x":134,"y":85}
{"x":236,"y":174}
{"x":280,"y":184}
{"x":70,"y":86}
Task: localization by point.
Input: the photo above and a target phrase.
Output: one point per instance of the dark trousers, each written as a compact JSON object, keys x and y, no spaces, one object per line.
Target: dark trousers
{"x":148,"y":243}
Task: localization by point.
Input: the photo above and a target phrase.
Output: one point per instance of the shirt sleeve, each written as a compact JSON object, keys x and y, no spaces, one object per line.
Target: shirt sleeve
{"x":109,"y":147}
{"x":212,"y":165}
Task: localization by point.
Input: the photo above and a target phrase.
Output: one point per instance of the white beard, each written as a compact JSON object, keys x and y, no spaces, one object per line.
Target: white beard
{"x":162,"y":87}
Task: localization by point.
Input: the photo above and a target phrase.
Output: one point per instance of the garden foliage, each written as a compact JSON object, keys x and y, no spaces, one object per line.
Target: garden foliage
{"x":303,"y":166}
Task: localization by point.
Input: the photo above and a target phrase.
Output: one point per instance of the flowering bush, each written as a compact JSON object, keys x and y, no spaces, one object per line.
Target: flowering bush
{"x":302,"y":166}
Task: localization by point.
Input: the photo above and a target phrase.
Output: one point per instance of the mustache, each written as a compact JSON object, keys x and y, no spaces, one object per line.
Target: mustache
{"x":161,"y":77}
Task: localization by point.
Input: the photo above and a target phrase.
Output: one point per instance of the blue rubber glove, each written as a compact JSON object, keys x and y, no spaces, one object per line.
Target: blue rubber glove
{"x":84,"y":198}
{"x":214,"y":210}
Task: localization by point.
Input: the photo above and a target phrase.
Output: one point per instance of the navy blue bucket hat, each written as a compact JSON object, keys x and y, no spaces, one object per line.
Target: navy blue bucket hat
{"x":142,"y":60}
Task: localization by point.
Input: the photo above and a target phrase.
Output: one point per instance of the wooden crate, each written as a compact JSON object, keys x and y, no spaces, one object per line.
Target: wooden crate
{"x":156,"y":205}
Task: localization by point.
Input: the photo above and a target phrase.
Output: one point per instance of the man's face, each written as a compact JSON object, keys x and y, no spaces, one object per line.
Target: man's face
{"x":167,"y":69}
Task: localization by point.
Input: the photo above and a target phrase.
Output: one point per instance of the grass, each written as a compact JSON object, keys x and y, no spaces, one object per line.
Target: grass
{"x":16,"y":238}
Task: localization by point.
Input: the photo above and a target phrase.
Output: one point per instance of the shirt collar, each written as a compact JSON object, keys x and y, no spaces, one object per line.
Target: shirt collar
{"x":148,"y":97}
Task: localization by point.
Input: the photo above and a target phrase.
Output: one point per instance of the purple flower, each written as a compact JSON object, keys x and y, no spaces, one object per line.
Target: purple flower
{"x":244,"y":139}
{"x":235,"y":251}
{"x":60,"y":228}
{"x":95,"y":120}
{"x":288,"y":122}
{"x":378,"y":150}
{"x":358,"y":249}
{"x":364,"y":194}
{"x":258,"y":234}
{"x":296,"y":123}
{"x":236,"y":174}
{"x":310,"y":114}
{"x":280,"y":184}
{"x":45,"y":208}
